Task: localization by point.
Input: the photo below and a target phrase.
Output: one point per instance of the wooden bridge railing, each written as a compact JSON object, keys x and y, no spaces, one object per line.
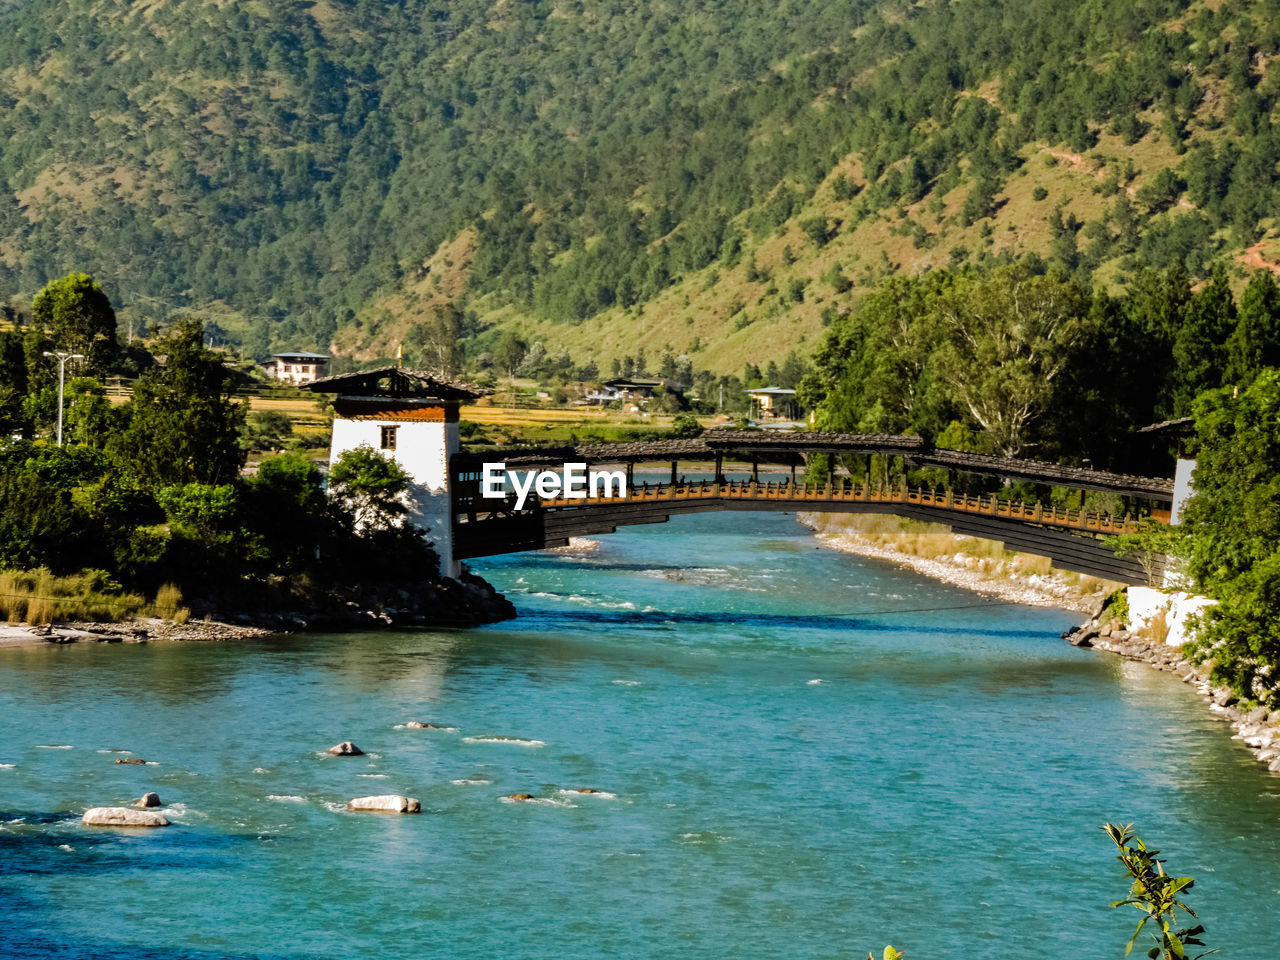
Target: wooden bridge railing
{"x":845,"y":492}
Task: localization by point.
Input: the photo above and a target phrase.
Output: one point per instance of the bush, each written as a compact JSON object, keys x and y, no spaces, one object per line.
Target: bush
{"x":685,"y":426}
{"x":1117,"y":607}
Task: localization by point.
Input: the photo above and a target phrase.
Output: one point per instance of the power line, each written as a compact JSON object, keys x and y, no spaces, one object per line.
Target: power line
{"x":958,"y":606}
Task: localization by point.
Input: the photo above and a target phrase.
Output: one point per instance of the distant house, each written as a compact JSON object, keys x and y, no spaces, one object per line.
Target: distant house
{"x":298,"y":367}
{"x":630,"y":388}
{"x":637,"y":389}
{"x":772,"y":403}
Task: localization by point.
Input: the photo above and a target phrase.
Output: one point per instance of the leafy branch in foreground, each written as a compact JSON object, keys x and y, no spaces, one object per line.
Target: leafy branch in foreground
{"x":1155,"y":893}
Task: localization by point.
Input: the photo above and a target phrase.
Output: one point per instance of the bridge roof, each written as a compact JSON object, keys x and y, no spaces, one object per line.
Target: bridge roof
{"x":1078,"y":478}
{"x":771,"y":443}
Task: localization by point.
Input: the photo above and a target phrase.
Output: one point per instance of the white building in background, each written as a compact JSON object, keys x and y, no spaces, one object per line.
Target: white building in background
{"x":773,"y":403}
{"x":298,"y":368}
{"x":412,"y":418}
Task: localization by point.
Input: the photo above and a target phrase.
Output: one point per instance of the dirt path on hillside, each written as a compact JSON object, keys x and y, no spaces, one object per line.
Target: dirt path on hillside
{"x":1253,"y":258}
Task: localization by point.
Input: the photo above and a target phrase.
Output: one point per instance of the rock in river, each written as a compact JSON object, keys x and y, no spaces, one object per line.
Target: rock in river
{"x":136,"y":761}
{"x":346,"y":749}
{"x":387,"y":803}
{"x":122,"y":817}
{"x":148,"y":800}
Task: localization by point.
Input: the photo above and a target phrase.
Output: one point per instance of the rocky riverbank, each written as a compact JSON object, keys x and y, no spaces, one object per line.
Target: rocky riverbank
{"x":466,"y":602}
{"x":1257,"y":727}
{"x":1000,"y":574}
{"x":141,"y":630}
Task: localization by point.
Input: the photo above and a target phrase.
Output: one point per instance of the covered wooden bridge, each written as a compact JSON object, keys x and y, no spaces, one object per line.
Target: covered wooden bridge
{"x":1072,"y":539}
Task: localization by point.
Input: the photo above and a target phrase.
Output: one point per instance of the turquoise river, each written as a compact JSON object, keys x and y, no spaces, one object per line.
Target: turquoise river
{"x":801,"y":755}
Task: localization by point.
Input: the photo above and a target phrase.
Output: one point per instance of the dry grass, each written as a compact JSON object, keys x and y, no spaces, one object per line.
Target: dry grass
{"x":39,"y":597}
{"x":1156,"y":629}
{"x":168,"y":605}
{"x":935,"y":542}
{"x":928,"y":540}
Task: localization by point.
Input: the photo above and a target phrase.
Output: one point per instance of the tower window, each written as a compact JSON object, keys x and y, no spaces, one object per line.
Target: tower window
{"x":389,"y":438}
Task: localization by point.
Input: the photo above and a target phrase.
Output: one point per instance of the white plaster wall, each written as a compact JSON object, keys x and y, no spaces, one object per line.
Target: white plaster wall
{"x":1182,"y":489}
{"x":422,"y":449}
{"x":1147,"y":604}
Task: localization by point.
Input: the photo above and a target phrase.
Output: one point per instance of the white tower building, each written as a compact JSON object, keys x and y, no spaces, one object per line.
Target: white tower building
{"x":411,"y":417}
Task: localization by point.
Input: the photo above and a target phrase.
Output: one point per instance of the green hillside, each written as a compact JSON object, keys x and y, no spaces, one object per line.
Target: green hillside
{"x":707,"y":178}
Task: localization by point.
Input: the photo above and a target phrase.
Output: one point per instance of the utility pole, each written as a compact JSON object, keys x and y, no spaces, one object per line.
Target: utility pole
{"x":62,"y":379}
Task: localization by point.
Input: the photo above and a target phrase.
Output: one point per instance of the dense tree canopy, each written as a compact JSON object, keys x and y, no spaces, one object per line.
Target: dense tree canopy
{"x":297,"y":165}
{"x":1034,"y":362}
{"x":1234,"y":526}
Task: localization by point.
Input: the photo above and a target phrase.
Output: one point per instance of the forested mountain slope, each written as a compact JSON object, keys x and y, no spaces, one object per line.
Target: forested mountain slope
{"x":703,"y":176}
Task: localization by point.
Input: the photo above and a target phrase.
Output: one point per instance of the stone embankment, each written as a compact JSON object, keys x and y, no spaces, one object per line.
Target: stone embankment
{"x":1257,"y":727}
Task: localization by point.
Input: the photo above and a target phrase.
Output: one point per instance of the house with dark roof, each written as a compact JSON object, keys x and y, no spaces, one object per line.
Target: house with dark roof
{"x":297,"y":368}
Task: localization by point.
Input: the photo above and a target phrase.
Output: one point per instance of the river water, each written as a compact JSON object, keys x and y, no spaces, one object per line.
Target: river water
{"x":802,"y":755}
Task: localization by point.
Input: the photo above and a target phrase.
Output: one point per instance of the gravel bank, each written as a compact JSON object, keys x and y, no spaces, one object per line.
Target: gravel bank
{"x":962,"y":571}
{"x":128,"y":631}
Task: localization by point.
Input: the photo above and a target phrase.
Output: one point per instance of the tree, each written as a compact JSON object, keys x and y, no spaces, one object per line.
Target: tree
{"x":91,"y":419}
{"x":78,"y":317}
{"x":183,"y":426}
{"x":1010,"y":337}
{"x":433,"y":342}
{"x":42,"y":521}
{"x":1155,"y":308}
{"x":509,"y":353}
{"x":1256,"y":341}
{"x":267,"y":430}
{"x":878,"y":356}
{"x":285,"y":503}
{"x":371,"y":489}
{"x":1233,"y":527}
{"x":1200,"y":345}
{"x":13,"y":382}
{"x":533,"y":359}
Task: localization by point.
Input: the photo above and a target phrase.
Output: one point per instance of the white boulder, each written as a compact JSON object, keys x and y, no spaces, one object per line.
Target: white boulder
{"x":386,"y":803}
{"x":122,"y":817}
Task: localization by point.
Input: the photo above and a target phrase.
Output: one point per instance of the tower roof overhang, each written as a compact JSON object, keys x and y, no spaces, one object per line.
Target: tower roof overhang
{"x":396,"y":383}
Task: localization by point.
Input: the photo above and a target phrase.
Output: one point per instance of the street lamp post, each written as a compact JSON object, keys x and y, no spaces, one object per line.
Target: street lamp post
{"x":62,"y":378}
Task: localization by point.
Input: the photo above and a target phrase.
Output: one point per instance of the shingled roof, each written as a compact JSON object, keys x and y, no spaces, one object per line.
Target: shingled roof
{"x":395,"y":382}
{"x":765,"y":443}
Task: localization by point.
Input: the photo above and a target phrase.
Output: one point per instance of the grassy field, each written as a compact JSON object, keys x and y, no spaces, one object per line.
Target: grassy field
{"x":505,"y":425}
